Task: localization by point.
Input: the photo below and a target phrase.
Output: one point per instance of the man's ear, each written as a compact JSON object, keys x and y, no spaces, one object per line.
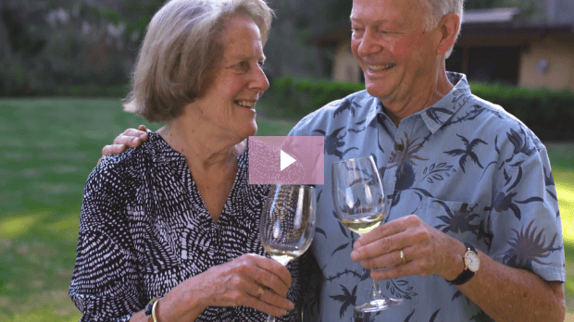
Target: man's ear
{"x":448,"y":27}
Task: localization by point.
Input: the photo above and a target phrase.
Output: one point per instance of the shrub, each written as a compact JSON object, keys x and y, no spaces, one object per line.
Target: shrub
{"x":290,"y":98}
{"x":549,"y":114}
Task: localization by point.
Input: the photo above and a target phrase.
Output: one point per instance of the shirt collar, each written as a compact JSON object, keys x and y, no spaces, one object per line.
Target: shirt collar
{"x":375,"y":108}
{"x":441,"y":112}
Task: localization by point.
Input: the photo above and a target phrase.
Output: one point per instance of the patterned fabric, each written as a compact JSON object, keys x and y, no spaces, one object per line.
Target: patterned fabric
{"x":144,"y":229}
{"x":464,"y":166}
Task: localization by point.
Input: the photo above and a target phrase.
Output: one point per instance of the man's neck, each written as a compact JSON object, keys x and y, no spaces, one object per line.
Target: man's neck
{"x":416,"y":102}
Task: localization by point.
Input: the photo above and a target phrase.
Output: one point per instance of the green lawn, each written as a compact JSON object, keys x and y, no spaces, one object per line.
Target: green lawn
{"x":47,"y":150}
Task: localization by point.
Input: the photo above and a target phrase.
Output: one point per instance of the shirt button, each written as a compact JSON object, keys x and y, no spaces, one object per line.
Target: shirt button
{"x":399,"y":147}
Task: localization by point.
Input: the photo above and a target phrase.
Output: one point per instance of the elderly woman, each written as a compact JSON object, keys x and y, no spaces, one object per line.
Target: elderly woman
{"x":168,"y":231}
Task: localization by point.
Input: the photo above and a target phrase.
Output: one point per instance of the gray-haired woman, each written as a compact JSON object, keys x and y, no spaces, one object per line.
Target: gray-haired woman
{"x":168,"y":231}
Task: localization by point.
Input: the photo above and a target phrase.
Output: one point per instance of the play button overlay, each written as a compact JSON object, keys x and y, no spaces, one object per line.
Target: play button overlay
{"x":286,"y":159}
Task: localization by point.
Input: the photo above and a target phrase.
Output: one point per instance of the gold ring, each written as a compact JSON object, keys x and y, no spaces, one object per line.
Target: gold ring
{"x":260,"y":292}
{"x":402,"y":256}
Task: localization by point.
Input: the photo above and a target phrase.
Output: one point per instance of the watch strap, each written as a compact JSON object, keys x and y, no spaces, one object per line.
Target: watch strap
{"x":466,"y":274}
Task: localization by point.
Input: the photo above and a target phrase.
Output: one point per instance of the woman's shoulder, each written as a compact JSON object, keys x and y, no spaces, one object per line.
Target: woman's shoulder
{"x":120,"y":169}
{"x":140,"y":157}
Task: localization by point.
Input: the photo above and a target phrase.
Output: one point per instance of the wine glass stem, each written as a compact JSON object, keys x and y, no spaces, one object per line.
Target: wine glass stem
{"x":284,"y":261}
{"x":377,"y":293}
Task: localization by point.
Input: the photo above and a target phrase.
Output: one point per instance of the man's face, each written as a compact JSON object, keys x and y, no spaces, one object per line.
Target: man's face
{"x":398,"y":57}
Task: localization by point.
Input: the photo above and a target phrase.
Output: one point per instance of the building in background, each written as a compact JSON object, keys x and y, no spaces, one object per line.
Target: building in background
{"x":495,"y":45}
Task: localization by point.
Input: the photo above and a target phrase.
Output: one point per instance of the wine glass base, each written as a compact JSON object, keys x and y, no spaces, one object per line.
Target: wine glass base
{"x":378,"y":305}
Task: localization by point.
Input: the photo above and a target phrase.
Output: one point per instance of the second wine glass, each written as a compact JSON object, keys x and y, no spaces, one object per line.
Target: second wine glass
{"x":287,"y":223}
{"x":360,"y":206}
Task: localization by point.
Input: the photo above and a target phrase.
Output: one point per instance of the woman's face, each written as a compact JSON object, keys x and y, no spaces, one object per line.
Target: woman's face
{"x":228,"y":105}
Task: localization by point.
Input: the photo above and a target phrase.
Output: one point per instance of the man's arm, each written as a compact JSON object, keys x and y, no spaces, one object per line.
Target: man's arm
{"x":504,"y":293}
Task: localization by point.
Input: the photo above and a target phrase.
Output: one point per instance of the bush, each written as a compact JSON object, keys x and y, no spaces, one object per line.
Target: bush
{"x":289,"y":98}
{"x":549,"y":114}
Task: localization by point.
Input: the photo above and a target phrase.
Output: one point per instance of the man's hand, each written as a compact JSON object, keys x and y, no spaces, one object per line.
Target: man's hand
{"x":130,"y":138}
{"x":426,"y":250}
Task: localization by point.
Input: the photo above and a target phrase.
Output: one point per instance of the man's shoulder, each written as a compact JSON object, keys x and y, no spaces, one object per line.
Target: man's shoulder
{"x":352,"y":106}
{"x":497,"y":120}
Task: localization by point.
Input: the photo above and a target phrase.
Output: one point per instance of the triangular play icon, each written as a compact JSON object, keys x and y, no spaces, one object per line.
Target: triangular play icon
{"x":286,"y":160}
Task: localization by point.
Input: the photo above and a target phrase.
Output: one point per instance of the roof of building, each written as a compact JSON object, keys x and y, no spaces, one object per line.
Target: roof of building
{"x":495,"y":15}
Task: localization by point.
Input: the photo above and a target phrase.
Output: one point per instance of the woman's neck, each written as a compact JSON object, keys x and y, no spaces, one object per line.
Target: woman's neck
{"x":201,"y":149}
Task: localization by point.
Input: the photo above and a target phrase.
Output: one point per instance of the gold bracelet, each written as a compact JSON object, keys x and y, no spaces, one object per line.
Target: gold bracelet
{"x":153,"y":315}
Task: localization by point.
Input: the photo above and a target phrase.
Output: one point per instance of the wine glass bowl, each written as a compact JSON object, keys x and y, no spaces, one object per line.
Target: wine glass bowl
{"x":360,"y":205}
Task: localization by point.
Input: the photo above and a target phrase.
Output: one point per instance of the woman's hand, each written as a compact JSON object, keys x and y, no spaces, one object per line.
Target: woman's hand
{"x":250,"y":280}
{"x":130,"y":138}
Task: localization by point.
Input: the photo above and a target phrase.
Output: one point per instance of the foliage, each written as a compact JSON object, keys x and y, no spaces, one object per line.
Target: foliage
{"x":549,"y":114}
{"x":56,"y":43}
{"x":295,"y":98}
{"x":49,"y":44}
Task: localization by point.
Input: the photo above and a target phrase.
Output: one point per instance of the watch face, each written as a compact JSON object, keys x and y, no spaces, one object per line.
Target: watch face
{"x":471,"y":260}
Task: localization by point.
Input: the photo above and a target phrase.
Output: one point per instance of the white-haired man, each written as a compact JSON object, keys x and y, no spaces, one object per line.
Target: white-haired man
{"x":469,"y":172}
{"x":463,"y":178}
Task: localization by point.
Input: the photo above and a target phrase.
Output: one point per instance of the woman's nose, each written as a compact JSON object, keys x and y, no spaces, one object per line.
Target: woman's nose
{"x":260,"y":81}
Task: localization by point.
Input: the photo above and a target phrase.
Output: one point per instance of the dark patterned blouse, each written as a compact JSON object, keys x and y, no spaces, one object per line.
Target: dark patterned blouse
{"x":144,"y":229}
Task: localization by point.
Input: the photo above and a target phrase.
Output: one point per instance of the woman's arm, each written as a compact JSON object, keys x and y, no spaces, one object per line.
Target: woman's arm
{"x":232,"y":284}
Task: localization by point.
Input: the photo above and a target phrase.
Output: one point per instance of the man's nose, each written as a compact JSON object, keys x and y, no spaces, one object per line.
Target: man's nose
{"x":369,"y":43}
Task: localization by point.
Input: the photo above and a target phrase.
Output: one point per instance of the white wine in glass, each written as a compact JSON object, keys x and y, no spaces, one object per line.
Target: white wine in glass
{"x":365,"y":224}
{"x":287,"y":223}
{"x":360,"y":206}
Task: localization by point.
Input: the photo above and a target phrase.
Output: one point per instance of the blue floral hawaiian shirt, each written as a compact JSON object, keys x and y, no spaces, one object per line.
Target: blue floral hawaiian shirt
{"x":463,"y":165}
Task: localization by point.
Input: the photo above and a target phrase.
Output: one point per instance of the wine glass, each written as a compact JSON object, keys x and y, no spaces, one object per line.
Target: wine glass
{"x":287,"y":224}
{"x":360,"y":206}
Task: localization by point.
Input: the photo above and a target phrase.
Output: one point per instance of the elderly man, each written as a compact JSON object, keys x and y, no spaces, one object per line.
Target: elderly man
{"x":465,"y":181}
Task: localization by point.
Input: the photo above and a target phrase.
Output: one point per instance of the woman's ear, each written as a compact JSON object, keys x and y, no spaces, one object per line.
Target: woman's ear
{"x":448,"y":26}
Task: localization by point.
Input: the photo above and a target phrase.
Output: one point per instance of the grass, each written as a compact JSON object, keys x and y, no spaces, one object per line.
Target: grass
{"x":48,"y":148}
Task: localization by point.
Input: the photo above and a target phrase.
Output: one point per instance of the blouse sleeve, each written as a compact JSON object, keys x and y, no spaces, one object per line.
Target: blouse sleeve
{"x":105,"y":284}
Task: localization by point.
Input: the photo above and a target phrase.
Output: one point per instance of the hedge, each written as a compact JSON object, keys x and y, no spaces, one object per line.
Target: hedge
{"x":549,"y":114}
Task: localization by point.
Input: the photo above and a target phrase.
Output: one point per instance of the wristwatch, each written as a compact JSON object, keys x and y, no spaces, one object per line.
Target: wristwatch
{"x":471,"y":265}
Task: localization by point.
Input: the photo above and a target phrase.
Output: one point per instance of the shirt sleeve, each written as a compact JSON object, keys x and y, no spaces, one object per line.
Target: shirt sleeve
{"x":525,"y":216}
{"x":105,"y":284}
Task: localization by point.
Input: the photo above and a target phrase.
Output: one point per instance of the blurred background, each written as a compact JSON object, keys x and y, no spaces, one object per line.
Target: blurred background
{"x":65,"y":67}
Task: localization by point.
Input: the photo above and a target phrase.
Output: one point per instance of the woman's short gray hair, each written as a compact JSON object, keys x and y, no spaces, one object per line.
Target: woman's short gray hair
{"x":181,"y":50}
{"x":436,"y":9}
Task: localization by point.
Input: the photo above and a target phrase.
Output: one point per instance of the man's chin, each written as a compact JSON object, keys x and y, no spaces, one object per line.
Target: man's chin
{"x":375,"y":89}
